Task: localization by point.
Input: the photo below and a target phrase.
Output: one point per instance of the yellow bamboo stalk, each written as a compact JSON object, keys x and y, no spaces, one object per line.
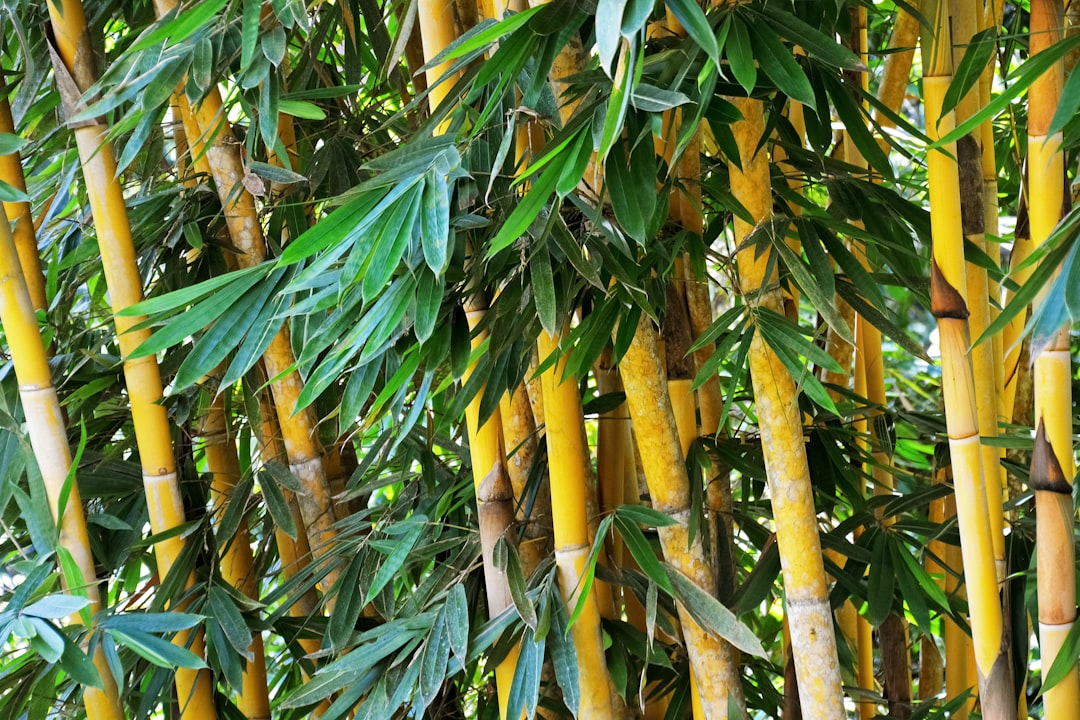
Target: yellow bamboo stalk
{"x":494,"y":501}
{"x":966,"y":15}
{"x":48,"y":438}
{"x":295,"y":555}
{"x":1017,"y":376}
{"x":780,"y":422}
{"x":1053,"y":460}
{"x":896,"y":74}
{"x":991,"y":17}
{"x":562,"y":409}
{"x":491,"y":481}
{"x":950,"y":306}
{"x":237,"y":562}
{"x":658,"y":443}
{"x":519,"y":433}
{"x":612,"y":432}
{"x":75,"y":73}
{"x":19,"y":213}
{"x":932,"y":667}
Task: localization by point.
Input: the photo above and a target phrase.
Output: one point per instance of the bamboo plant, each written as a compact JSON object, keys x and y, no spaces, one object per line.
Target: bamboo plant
{"x":75,"y":74}
{"x":1053,"y":459}
{"x":950,"y":307}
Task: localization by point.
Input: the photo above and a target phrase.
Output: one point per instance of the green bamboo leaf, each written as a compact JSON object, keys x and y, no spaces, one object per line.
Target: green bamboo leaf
{"x":882,"y":580}
{"x":55,"y":607}
{"x":79,"y":666}
{"x":525,"y":687}
{"x":277,"y":505}
{"x":976,"y":57}
{"x":740,"y":55}
{"x":691,"y":17}
{"x":779,"y":65}
{"x":261,"y":332}
{"x":1068,"y":105}
{"x":1065,"y":662}
{"x":433,"y":662}
{"x":273,"y":45}
{"x":435,"y":221}
{"x":622,"y":89}
{"x":358,"y":389}
{"x":275,"y":174}
{"x":159,"y":652}
{"x":179,"y":299}
{"x":347,"y":610}
{"x":1018,"y":81}
{"x":249,"y":32}
{"x":176,"y":26}
{"x":807,"y":282}
{"x":429,"y":297}
{"x":226,"y":334}
{"x":403,"y":546}
{"x":617,"y":176}
{"x":456,"y":610}
{"x":543,"y":287}
{"x":232,"y":622}
{"x":813,"y":41}
{"x":149,"y":622}
{"x":45,"y":639}
{"x":563,"y":654}
{"x":11,"y":194}
{"x":645,"y":515}
{"x":711,"y":614}
{"x":585,"y":582}
{"x":643,"y":551}
{"x":527,"y":210}
{"x":909,"y":587}
{"x":301,"y":109}
{"x":234,"y":511}
{"x":483,"y":34}
{"x":608,"y":33}
{"x":11,"y":144}
{"x":506,"y":558}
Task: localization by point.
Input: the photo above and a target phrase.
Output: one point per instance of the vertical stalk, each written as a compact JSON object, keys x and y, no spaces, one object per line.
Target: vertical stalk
{"x":237,"y":562}
{"x":966,"y":15}
{"x":1053,"y":461}
{"x":950,"y":307}
{"x":562,"y":409}
{"x":75,"y":74}
{"x":657,"y":437}
{"x":48,"y":438}
{"x":298,"y":428}
{"x":780,"y":422}
{"x":18,"y":213}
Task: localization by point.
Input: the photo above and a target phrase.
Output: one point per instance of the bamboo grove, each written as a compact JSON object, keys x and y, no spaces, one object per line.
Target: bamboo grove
{"x":511,"y":359}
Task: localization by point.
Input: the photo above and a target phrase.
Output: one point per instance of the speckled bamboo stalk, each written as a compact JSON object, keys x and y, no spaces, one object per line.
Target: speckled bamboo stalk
{"x":780,"y":423}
